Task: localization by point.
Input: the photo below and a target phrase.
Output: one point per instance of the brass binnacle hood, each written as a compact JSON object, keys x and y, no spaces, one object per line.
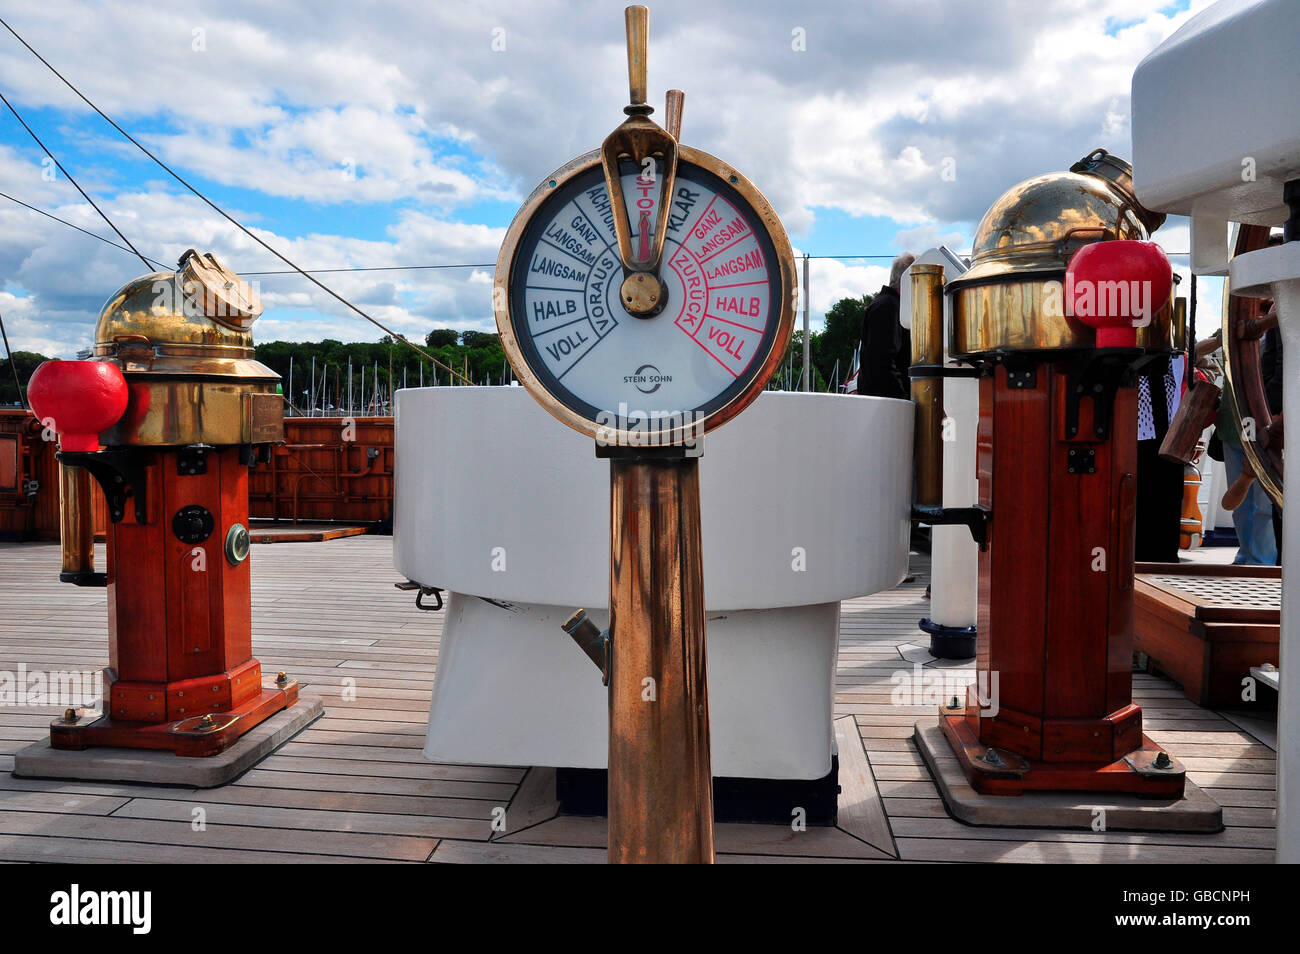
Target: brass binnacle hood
{"x":196,"y":320}
{"x":1038,"y":224}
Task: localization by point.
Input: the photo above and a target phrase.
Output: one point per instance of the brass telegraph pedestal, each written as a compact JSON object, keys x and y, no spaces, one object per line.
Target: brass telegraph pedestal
{"x":660,"y":780}
{"x":644,"y":296}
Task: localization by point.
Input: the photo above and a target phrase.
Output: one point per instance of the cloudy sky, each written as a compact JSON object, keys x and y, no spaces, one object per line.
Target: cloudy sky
{"x":407,"y":132}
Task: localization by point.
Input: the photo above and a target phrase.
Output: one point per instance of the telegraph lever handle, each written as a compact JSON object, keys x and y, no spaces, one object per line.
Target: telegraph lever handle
{"x":638,"y":42}
{"x":673,"y":113}
{"x":649,"y":147}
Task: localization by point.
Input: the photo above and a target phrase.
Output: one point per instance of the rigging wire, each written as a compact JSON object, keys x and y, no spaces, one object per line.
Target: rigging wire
{"x":386,"y":268}
{"x":13,"y":365}
{"x":84,"y":195}
{"x":379,"y":268}
{"x":229,"y":218}
{"x":51,"y":215}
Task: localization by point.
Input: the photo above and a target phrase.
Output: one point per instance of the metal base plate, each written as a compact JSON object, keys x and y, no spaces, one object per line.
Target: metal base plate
{"x":155,"y":767}
{"x":1194,"y":812}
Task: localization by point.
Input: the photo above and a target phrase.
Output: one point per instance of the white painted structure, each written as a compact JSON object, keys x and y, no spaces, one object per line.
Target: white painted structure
{"x":1214,"y":484}
{"x":1216,"y":134}
{"x":805,"y":501}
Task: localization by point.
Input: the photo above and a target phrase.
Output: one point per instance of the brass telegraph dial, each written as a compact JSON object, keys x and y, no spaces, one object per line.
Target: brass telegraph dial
{"x":645,"y":290}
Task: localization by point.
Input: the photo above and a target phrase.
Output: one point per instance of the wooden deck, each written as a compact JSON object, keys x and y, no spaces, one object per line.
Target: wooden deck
{"x":355,"y":787}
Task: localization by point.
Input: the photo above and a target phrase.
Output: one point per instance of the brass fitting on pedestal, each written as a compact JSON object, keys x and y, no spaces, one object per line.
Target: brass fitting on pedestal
{"x":76,"y":526}
{"x":927,"y":382}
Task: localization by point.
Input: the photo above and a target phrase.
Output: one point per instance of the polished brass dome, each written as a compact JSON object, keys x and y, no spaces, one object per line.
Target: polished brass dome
{"x":1038,"y":224}
{"x":195,"y":320}
{"x":1006,"y":300}
{"x":183,"y":340}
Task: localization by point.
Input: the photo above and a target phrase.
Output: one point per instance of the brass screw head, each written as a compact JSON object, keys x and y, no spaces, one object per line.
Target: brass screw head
{"x":641,"y":292}
{"x":281,"y":679}
{"x":70,"y":715}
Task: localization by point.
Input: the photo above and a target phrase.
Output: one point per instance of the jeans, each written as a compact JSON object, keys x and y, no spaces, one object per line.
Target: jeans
{"x":1253,"y":519}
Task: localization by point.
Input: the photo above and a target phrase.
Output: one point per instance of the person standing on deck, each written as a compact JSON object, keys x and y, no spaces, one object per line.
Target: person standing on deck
{"x":885,"y":353}
{"x":1253,"y":518}
{"x":1270,"y":366}
{"x":1159,"y":482}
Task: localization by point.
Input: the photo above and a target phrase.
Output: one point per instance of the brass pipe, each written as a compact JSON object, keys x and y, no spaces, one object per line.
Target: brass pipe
{"x":927,"y":391}
{"x":660,"y":778}
{"x":76,"y":520}
{"x":1178,"y":327}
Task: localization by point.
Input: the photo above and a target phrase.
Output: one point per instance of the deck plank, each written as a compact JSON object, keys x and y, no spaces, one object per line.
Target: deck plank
{"x":355,"y":787}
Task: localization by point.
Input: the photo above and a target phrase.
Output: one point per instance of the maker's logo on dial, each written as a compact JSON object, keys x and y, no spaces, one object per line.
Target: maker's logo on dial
{"x":647,"y":379}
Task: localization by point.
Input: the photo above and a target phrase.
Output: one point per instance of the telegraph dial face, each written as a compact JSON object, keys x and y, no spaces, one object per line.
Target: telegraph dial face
{"x":719,"y":316}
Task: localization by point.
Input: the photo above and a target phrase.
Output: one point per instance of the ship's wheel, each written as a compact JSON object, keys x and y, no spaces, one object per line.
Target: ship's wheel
{"x":1244,"y":325}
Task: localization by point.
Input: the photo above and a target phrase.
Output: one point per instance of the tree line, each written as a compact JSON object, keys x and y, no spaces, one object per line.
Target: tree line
{"x":379,"y":368}
{"x":389,"y":364}
{"x":832,"y":350}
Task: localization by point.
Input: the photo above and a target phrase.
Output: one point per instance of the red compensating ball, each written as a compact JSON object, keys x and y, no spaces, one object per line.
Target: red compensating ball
{"x":1117,"y":287}
{"x":81,"y":398}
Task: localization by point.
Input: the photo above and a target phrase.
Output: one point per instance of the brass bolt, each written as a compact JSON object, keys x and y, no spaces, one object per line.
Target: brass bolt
{"x":70,"y":716}
{"x":206,"y":722}
{"x":282,"y":679}
{"x":1163,"y":761}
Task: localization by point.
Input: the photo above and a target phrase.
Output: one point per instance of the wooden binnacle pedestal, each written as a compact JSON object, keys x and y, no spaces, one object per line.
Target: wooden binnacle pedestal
{"x":1053,"y":708}
{"x":181,"y":672}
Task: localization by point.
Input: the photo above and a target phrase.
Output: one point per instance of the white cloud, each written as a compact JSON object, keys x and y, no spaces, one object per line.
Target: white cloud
{"x":413,"y":99}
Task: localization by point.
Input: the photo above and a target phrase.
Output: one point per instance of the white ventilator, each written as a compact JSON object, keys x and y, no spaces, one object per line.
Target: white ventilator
{"x":954,"y":569}
{"x":804,"y":503}
{"x":1216,"y":135}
